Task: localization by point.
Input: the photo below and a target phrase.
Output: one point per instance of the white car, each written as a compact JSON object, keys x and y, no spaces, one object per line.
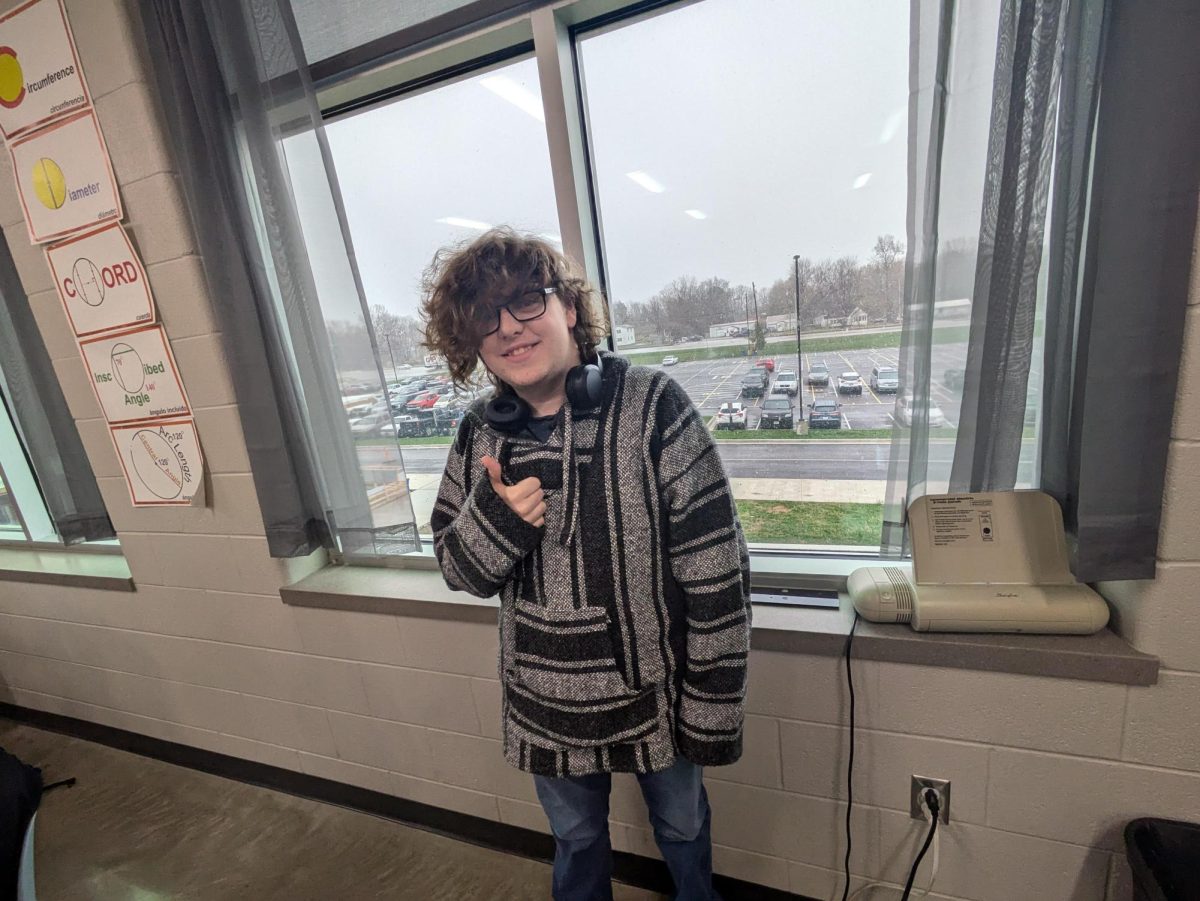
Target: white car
{"x":905,"y":411}
{"x":850,"y":383}
{"x":365,"y":426}
{"x":670,"y":360}
{"x":885,"y":380}
{"x":731,"y":416}
{"x":786,"y":383}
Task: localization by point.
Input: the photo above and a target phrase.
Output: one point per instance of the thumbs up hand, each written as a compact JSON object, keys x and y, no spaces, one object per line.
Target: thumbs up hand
{"x":525,"y":498}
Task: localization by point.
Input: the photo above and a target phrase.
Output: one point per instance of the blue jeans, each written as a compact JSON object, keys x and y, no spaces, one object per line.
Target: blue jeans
{"x":577,"y":807}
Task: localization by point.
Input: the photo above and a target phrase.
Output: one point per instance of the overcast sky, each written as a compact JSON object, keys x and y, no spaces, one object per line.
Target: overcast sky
{"x":779,"y":124}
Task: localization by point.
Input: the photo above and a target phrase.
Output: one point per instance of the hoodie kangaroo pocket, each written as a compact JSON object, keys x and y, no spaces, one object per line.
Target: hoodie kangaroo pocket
{"x":567,"y":653}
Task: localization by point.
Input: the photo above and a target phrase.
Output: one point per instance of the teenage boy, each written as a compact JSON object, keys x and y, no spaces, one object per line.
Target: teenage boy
{"x":588,"y":494}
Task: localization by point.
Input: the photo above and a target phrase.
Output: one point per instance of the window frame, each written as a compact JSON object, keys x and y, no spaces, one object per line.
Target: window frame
{"x":550,"y":30}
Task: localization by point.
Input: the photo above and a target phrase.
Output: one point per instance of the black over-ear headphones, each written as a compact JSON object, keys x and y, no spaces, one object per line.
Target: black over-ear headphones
{"x":506,"y":412}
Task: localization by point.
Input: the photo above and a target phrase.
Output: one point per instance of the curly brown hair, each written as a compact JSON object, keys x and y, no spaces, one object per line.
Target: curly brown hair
{"x":497,"y":265}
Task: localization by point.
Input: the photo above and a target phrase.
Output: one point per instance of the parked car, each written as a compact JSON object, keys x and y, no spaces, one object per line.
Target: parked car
{"x":885,"y":380}
{"x":786,"y":383}
{"x":850,"y":382}
{"x":366,"y":426}
{"x":954,"y":379}
{"x":824,"y":414}
{"x":767,"y":364}
{"x":818,"y":374}
{"x":754,"y":384}
{"x":424,"y":401}
{"x":905,"y":411}
{"x":412,"y":426}
{"x":776,"y":413}
{"x":670,"y":360}
{"x":731,"y":416}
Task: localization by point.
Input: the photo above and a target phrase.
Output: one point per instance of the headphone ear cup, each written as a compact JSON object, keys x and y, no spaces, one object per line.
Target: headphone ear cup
{"x":584,"y":389}
{"x":506,"y":413}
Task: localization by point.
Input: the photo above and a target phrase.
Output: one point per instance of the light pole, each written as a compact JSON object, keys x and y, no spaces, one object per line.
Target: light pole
{"x":749,"y":338}
{"x":796,"y":264}
{"x":388,"y":338}
{"x":754,"y":292}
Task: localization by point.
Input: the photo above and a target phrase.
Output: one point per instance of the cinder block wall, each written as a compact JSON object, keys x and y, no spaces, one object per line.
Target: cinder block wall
{"x":1045,"y":771}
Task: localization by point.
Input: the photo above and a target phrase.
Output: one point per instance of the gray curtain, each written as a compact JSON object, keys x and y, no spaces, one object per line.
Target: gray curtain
{"x":1114,"y":339}
{"x":1024,"y":106}
{"x":236,"y":87}
{"x":31,"y":391}
{"x":1085,"y":209}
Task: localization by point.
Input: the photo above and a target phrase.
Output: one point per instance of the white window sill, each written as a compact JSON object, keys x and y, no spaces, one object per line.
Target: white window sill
{"x":1103,"y":657}
{"x":75,"y":569}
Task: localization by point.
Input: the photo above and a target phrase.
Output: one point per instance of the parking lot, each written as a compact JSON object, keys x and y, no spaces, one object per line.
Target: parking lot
{"x":711,"y":383}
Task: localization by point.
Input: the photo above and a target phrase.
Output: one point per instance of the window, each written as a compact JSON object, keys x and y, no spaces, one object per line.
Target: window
{"x":744,"y":177}
{"x":427,"y":169}
{"x":23,"y":516}
{"x":741,"y":172}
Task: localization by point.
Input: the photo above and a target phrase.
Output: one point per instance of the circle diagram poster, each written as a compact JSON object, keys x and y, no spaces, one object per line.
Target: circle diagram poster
{"x":134,"y":375}
{"x":40,"y":76}
{"x":64,"y":178}
{"x":101,"y":281}
{"x":162,"y":462}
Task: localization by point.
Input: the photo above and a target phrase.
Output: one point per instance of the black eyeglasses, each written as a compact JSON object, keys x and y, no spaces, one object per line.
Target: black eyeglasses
{"x":526,"y":307}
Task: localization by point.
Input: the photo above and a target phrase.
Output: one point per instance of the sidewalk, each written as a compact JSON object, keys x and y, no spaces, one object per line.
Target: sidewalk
{"x":423,"y":491}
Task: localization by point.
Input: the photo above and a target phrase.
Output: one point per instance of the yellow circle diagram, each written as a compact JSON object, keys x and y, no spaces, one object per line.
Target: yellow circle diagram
{"x":49,"y":183}
{"x":12,"y":79}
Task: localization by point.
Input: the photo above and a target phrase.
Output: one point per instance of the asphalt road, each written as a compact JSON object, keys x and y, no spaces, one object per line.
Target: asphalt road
{"x":801,"y":459}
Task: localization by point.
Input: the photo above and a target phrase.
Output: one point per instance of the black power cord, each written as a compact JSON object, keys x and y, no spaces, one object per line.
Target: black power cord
{"x":931,"y":801}
{"x":850,"y":757}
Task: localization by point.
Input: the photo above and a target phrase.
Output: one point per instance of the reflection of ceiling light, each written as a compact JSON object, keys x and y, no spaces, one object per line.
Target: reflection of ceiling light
{"x":518,"y":95}
{"x":696,"y":214}
{"x":891,"y":125}
{"x":641,"y":178}
{"x":553,"y":239}
{"x":861,"y":181}
{"x":464,"y":223}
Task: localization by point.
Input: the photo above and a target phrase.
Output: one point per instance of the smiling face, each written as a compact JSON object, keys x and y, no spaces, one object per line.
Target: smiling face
{"x":534,"y":357}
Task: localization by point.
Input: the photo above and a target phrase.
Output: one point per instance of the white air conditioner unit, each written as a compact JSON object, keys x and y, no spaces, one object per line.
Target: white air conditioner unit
{"x":986,"y":562}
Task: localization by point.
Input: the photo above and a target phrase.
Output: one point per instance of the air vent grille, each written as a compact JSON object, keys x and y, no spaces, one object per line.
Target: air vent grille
{"x":902,"y":591}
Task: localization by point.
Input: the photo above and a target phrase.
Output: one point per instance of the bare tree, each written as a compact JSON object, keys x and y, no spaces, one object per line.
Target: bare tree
{"x":888,"y":257}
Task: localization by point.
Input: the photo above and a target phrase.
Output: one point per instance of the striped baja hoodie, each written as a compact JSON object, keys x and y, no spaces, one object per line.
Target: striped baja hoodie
{"x":625,"y":619}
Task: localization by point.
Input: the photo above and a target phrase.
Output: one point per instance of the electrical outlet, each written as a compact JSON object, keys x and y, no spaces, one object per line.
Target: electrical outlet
{"x":918,"y":807}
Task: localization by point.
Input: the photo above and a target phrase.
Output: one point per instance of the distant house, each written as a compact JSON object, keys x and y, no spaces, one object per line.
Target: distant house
{"x":858,"y":317}
{"x":624,"y":335}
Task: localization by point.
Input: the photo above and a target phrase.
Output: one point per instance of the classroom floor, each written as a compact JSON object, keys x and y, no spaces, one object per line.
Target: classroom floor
{"x":136,"y":829}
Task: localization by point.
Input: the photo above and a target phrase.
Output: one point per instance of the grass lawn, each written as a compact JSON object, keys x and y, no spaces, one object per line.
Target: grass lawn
{"x":752,"y":434}
{"x":386,"y":442}
{"x":853,"y":434}
{"x":810,"y":522}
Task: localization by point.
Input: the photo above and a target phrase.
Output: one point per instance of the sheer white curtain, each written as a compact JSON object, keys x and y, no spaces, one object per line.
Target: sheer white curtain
{"x":241,"y":102}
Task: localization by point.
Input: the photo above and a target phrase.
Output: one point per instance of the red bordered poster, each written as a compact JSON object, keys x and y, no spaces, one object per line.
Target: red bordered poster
{"x":134,"y":375}
{"x":41,"y":79}
{"x":65,"y":178}
{"x":101,"y":281}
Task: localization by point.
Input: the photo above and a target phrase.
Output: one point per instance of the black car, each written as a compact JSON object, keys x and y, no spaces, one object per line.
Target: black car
{"x":825,"y":414}
{"x":776,"y":414}
{"x":426,"y":423}
{"x":754,"y":384}
{"x":818,"y":374}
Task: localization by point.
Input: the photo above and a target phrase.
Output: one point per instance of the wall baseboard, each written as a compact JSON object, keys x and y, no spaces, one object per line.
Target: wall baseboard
{"x":632,"y":869}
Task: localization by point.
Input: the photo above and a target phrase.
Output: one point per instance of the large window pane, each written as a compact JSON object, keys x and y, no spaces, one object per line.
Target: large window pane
{"x":749,"y":159}
{"x":417,"y":174}
{"x":23,"y":515}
